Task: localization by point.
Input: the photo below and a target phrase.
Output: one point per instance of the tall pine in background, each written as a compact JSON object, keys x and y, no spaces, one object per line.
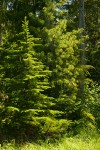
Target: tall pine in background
{"x":60,"y":48}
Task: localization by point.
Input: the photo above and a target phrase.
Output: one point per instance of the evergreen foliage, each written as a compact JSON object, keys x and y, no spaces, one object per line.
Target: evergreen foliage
{"x":24,"y":80}
{"x":40,"y":69}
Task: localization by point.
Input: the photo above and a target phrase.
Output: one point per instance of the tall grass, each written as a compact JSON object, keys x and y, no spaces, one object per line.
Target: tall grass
{"x":79,"y":142}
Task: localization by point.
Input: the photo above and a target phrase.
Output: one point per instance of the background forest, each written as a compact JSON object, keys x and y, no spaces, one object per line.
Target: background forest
{"x":49,"y":68}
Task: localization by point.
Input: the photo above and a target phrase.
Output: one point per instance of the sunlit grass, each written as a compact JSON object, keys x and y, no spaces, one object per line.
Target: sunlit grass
{"x":72,"y":143}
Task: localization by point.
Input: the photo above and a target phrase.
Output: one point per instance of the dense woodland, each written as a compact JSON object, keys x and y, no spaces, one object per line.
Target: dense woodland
{"x":49,"y":68}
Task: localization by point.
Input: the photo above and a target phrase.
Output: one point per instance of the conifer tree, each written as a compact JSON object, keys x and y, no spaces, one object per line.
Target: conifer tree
{"x":62,"y":56}
{"x":25,"y":80}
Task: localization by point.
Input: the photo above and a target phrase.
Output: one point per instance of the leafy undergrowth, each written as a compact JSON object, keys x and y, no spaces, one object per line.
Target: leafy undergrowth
{"x":71,"y":143}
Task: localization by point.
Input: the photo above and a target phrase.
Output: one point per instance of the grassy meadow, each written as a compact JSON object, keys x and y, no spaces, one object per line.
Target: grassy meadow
{"x":78,"y":142}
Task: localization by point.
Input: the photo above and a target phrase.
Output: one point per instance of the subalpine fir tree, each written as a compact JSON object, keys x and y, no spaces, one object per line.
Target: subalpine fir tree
{"x":25,"y":81}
